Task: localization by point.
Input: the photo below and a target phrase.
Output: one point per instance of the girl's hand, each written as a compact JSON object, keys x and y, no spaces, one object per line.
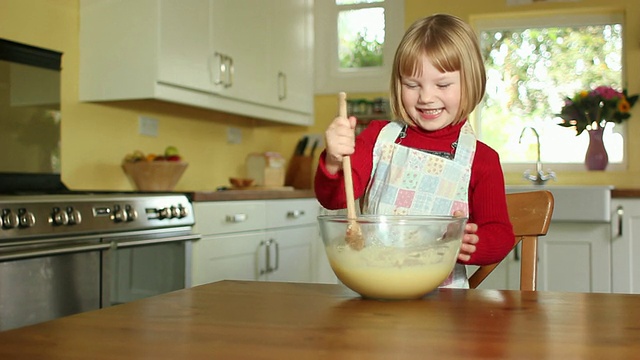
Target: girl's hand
{"x":340,"y":139}
{"x":469,"y":239}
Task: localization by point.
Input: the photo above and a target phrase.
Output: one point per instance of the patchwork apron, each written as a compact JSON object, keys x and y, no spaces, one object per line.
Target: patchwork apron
{"x":406,"y":181}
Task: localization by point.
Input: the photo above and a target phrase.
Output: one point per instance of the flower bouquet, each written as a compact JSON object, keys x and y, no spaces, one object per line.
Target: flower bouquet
{"x":592,"y":109}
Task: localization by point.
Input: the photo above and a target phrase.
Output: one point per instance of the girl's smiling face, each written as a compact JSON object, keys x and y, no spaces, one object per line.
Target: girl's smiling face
{"x":430,"y":97}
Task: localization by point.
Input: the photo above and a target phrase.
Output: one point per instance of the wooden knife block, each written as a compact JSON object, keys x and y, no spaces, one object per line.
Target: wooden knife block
{"x":299,"y":172}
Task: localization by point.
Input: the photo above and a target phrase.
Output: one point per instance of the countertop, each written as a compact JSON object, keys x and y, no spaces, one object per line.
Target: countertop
{"x":269,"y":320}
{"x":228,"y":195}
{"x":625,"y":193}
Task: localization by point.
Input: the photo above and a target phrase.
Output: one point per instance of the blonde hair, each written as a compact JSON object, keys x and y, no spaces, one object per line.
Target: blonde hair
{"x":451,"y":45}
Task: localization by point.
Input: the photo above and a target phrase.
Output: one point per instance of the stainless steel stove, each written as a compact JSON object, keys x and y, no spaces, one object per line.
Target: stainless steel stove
{"x":62,"y":254}
{"x":32,"y":217}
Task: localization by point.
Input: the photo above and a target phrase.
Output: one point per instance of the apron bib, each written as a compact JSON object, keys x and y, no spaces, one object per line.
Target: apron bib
{"x":406,"y":181}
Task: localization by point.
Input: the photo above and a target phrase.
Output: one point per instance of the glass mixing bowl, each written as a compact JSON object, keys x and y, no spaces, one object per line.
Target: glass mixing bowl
{"x":404,"y":257}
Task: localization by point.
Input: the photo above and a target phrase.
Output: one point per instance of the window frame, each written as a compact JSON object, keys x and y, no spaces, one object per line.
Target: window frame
{"x":328,"y":78}
{"x":488,"y":22}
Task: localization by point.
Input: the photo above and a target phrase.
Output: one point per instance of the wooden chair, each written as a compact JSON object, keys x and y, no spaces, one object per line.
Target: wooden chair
{"x":530,"y":214}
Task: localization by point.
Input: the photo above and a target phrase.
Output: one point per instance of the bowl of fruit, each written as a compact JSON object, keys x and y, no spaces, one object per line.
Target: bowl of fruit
{"x":151,"y":172}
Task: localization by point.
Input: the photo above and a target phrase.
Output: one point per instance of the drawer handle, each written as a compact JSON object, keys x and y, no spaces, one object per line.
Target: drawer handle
{"x":620,"y":212}
{"x":237,"y":218}
{"x":294,"y":214}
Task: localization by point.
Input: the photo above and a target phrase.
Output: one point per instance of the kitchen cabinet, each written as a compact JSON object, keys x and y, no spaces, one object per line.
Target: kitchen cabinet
{"x":267,"y":240}
{"x":573,"y":256}
{"x":625,"y":245}
{"x":588,"y":248}
{"x":249,"y":57}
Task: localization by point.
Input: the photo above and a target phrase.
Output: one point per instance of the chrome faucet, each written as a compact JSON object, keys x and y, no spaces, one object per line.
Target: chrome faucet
{"x":540,"y":177}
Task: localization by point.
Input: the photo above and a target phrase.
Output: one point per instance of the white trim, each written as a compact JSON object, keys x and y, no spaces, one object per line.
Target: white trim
{"x":328,"y":80}
{"x":538,"y":20}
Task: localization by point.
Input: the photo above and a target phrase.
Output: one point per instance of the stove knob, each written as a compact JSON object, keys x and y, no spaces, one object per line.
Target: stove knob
{"x":27,"y":219}
{"x":164,"y":213}
{"x":183,"y":212}
{"x":175,"y":212}
{"x":75,"y":217}
{"x":60,"y":217}
{"x":10,"y":220}
{"x":132,"y":214}
{"x":120,"y":215}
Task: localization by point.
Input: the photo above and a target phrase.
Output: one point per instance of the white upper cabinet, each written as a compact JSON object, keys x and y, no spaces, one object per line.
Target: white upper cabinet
{"x":184,"y":53}
{"x":249,"y":57}
{"x":292,"y":75}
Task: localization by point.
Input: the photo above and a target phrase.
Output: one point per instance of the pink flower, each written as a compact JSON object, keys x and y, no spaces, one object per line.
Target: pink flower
{"x":607,"y":92}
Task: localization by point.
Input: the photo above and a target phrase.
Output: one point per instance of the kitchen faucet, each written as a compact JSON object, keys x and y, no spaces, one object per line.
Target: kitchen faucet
{"x":540,"y":177}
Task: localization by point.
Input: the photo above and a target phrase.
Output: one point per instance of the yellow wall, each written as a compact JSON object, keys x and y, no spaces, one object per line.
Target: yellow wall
{"x":95,"y":137}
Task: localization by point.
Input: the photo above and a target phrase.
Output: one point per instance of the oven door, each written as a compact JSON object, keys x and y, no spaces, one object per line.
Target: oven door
{"x":44,"y":280}
{"x":147,"y":264}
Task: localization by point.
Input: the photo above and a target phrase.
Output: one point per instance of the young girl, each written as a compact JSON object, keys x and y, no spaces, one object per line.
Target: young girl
{"x":429,"y":161}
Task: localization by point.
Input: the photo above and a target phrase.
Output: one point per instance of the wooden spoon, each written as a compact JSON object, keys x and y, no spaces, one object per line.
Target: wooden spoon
{"x":354,"y":234}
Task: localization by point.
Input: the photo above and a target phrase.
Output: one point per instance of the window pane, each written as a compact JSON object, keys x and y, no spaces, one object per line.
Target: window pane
{"x":361,"y":37}
{"x":530,"y":72}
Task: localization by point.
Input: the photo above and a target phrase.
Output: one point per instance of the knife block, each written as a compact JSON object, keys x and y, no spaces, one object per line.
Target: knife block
{"x":299,"y":172}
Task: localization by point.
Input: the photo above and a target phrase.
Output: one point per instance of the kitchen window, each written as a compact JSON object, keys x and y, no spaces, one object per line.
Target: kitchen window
{"x":355,"y":44}
{"x":532,"y":64}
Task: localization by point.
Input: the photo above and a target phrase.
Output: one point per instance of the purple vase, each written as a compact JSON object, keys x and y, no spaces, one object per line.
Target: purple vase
{"x":596,"y":157}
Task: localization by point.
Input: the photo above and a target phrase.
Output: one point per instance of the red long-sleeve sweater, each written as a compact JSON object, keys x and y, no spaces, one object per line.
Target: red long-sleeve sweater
{"x":487,"y":203}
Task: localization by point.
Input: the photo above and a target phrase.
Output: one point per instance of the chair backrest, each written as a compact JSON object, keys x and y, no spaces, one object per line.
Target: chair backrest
{"x":530,"y":214}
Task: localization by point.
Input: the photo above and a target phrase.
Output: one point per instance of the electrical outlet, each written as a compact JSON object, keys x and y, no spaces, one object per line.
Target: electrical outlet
{"x":234,"y":135}
{"x":147,"y":126}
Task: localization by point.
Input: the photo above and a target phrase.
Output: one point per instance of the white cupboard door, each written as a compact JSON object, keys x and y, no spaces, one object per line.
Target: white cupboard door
{"x":625,"y":243}
{"x":239,"y":36}
{"x":228,"y":257}
{"x":575,"y":257}
{"x":184,"y":56}
{"x":291,"y":62}
{"x":291,"y":254}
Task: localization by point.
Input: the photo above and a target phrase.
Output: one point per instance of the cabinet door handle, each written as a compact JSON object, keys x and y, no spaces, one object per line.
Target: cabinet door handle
{"x":294,"y":214}
{"x":230,"y":70}
{"x":620,"y":212}
{"x":237,"y":218}
{"x":282,"y":86}
{"x":217,"y":80}
{"x":267,"y":244}
{"x":275,"y":268}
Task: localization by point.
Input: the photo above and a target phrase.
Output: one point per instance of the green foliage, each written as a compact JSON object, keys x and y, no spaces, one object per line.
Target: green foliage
{"x":536,"y":58}
{"x":363,"y":53}
{"x":531,"y":72}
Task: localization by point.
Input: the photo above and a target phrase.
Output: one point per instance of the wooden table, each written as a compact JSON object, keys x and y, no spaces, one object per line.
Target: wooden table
{"x":260,"y":320}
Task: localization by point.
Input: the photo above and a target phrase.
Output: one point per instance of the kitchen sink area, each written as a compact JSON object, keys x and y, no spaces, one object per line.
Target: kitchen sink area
{"x":588,"y":203}
{"x":591,"y":246}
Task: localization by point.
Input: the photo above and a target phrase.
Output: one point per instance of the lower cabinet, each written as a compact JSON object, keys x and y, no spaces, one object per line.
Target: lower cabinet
{"x":579,"y":256}
{"x":270,"y":240}
{"x":625,"y":245}
{"x":575,"y":257}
